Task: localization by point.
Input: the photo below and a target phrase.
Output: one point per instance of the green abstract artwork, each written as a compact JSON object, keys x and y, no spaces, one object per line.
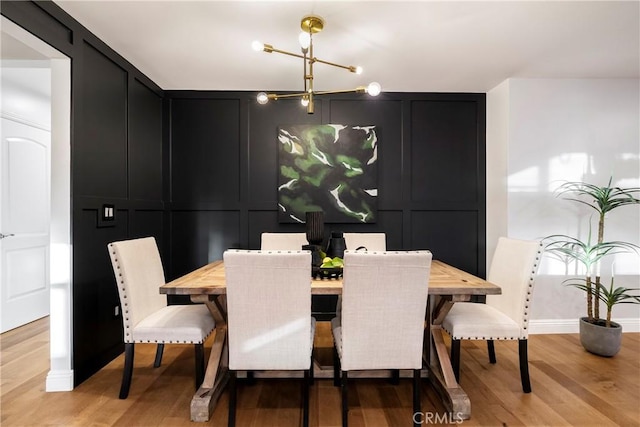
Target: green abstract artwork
{"x":333,"y":168}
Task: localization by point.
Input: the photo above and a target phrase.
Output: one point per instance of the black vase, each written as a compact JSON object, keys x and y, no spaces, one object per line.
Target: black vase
{"x":337,"y":245}
{"x":315,"y":227}
{"x":316,"y":260}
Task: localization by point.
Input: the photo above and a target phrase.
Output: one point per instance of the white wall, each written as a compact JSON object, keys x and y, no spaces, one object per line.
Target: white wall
{"x":26,"y":92}
{"x":542,"y":132}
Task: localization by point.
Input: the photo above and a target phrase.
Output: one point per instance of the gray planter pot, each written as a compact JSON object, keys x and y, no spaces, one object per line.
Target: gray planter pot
{"x":598,"y":339}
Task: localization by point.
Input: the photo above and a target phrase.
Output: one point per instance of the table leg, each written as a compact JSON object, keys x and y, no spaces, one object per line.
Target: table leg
{"x":438,"y":362}
{"x":217,"y":374}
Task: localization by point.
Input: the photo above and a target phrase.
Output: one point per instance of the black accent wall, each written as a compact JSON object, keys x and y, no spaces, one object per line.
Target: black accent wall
{"x":223,"y":180}
{"x":197,"y":170}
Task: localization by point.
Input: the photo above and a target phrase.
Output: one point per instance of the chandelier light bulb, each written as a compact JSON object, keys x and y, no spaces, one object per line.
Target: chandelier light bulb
{"x":262,"y":98}
{"x":374,"y":89}
{"x":358,"y":70}
{"x":257,"y":46}
{"x":305,"y":40}
{"x":304,"y":101}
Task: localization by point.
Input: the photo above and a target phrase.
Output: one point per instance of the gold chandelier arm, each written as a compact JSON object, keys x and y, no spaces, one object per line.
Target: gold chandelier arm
{"x":269,"y":49}
{"x":359,"y":89}
{"x":346,"y":67}
{"x":275,"y":96}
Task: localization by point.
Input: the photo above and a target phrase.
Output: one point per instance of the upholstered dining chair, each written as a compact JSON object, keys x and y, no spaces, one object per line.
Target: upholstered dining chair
{"x":269,"y":324}
{"x":503,"y":317}
{"x":384,"y":300}
{"x":369,"y":241}
{"x":282,"y":241}
{"x":146,"y":317}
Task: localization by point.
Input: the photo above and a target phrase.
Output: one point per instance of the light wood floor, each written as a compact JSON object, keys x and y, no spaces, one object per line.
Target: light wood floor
{"x":570,"y":387}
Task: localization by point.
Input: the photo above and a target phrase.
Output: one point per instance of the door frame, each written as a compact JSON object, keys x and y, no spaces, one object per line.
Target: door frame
{"x":60,"y":376}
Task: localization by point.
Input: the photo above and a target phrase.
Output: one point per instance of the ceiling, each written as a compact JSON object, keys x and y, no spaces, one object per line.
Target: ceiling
{"x":417,"y":46}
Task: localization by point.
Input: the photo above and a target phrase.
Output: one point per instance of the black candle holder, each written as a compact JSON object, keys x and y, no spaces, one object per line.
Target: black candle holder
{"x":337,"y":245}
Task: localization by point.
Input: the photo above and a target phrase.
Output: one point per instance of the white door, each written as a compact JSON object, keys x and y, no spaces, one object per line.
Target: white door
{"x":25,"y":153}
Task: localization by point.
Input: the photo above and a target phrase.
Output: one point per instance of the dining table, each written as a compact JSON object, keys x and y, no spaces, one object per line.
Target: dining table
{"x":447,"y":285}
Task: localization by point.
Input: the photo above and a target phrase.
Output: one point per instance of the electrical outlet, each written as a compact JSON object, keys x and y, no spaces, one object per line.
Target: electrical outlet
{"x":116,"y":311}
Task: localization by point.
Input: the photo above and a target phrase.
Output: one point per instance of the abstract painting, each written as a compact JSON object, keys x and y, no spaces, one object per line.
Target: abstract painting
{"x":333,"y":168}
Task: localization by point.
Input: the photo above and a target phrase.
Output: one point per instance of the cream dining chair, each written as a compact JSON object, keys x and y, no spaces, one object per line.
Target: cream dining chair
{"x":384,"y":300}
{"x":282,"y":241}
{"x":269,"y":324}
{"x":503,"y":317}
{"x":146,"y":317}
{"x":369,"y":241}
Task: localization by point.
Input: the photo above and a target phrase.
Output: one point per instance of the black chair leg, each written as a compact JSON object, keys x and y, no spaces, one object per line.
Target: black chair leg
{"x":128,"y":370}
{"x":416,"y":397}
{"x":492,"y":351}
{"x":251,"y":378}
{"x":345,"y":400}
{"x":395,"y":377}
{"x":524,"y":366}
{"x":336,"y":368}
{"x":199,"y":350}
{"x":232,"y":399}
{"x":305,"y":399}
{"x":311,"y":376}
{"x":159,"y":351}
{"x":455,"y":358}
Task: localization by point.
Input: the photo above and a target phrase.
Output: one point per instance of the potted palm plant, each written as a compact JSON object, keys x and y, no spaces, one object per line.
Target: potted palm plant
{"x":597,"y":335}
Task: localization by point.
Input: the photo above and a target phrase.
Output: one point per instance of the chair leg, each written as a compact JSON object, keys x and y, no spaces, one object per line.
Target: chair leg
{"x":128,"y":370}
{"x":345,"y":400}
{"x":199,"y":350}
{"x":305,"y":399}
{"x":455,"y":358}
{"x":311,"y":375}
{"x":524,"y":366}
{"x":395,"y":377}
{"x":416,"y":396}
{"x":492,"y":351}
{"x":232,"y":398}
{"x":336,"y":368}
{"x":251,"y":378}
{"x":159,"y":351}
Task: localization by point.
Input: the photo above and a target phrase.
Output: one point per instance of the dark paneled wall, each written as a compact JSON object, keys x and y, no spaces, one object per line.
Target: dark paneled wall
{"x":224,"y":172}
{"x":117,"y":158}
{"x":197,"y":170}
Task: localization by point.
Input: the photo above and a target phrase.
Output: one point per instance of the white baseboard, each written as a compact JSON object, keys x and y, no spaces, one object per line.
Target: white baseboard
{"x":570,"y":326}
{"x":59,"y":381}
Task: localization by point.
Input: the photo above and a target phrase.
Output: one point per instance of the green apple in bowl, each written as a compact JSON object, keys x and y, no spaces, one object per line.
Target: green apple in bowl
{"x":335,"y":262}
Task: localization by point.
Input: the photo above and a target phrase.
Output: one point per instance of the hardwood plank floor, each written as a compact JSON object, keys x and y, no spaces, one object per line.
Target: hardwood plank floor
{"x":570,"y":387}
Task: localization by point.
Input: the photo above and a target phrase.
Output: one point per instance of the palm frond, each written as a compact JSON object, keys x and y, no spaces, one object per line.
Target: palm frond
{"x":603,"y":199}
{"x":609,"y":296}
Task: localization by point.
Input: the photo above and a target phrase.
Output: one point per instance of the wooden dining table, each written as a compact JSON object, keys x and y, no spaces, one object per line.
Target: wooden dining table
{"x":447,"y":285}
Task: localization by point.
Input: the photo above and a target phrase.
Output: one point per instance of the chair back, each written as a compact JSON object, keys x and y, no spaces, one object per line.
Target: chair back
{"x":384,"y":300}
{"x":283,"y":241}
{"x":513,"y":268}
{"x":371,"y":241}
{"x":268,"y":309}
{"x":138,"y":269}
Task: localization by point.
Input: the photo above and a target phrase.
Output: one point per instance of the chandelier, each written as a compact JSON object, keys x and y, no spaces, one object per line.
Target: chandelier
{"x":311,"y":25}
